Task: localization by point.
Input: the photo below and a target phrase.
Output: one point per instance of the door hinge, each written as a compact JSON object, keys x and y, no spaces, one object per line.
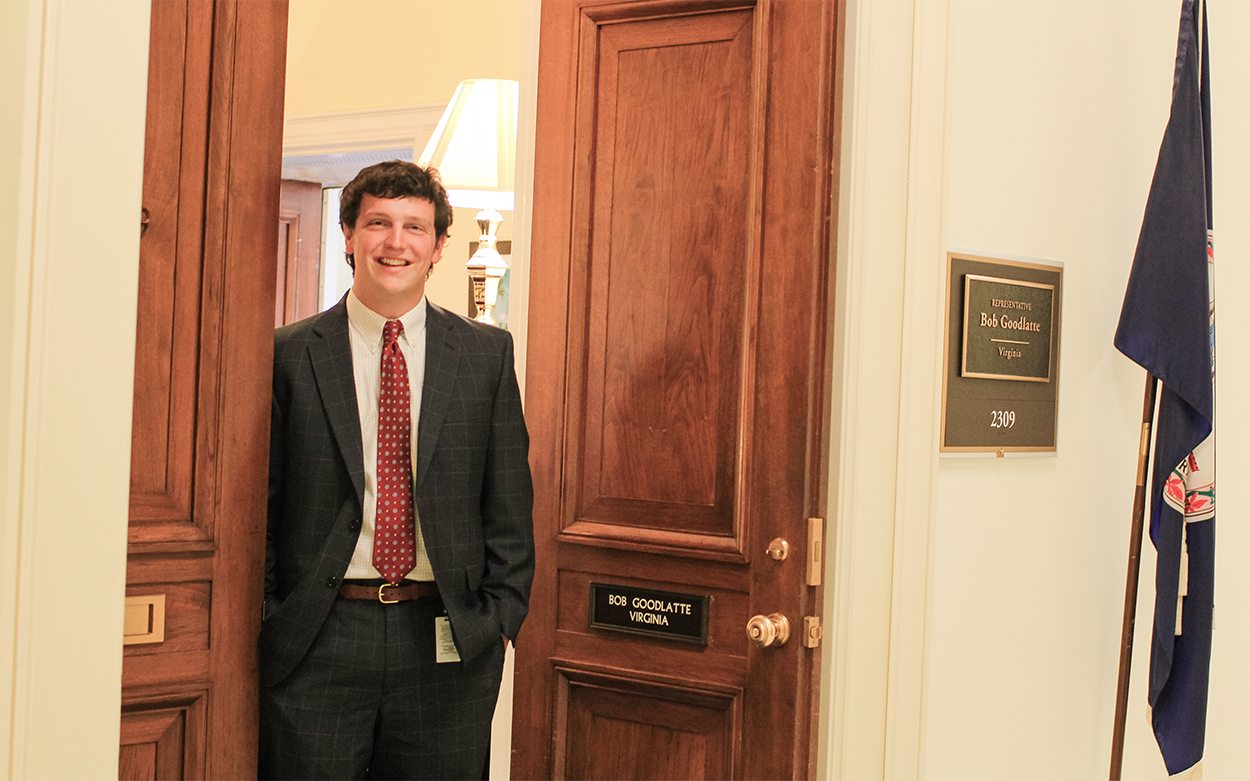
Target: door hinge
{"x":812,"y":631}
{"x":815,"y":544}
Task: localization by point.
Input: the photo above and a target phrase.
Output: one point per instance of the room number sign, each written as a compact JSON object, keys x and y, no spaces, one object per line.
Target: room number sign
{"x":1000,"y":384}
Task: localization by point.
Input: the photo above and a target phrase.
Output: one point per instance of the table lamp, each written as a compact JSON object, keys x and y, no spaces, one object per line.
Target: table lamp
{"x":474,"y":150}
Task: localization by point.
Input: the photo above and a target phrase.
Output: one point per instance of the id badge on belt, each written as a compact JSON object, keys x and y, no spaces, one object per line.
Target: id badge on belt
{"x":444,"y":643}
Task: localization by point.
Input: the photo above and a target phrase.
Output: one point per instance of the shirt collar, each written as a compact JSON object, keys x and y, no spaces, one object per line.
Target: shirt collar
{"x":368,"y":324}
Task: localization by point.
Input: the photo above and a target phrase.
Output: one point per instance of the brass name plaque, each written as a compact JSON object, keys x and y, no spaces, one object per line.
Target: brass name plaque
{"x":644,"y":611}
{"x":1007,"y":329}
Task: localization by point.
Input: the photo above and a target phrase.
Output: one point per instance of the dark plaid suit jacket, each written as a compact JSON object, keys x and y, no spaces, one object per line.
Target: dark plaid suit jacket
{"x":473,"y":491}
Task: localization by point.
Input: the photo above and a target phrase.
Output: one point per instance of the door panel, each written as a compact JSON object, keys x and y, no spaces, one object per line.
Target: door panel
{"x":676,"y":390}
{"x":689,"y":733}
{"x":168,"y":327}
{"x":163,"y":738}
{"x":202,"y":384}
{"x":665,"y":279}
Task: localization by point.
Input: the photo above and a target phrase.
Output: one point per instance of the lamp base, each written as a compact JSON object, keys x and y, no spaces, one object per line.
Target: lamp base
{"x":486,"y":267}
{"x":485,"y":293}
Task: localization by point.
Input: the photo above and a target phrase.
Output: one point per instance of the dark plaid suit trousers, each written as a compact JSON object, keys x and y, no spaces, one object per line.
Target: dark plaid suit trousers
{"x":370,"y":701}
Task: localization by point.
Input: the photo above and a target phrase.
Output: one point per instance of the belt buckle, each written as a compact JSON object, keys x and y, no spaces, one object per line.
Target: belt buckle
{"x":383,"y":599}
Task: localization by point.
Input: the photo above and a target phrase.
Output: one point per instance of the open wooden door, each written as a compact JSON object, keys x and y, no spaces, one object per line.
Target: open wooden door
{"x":202,"y":386}
{"x":299,"y":252}
{"x":677,"y":388}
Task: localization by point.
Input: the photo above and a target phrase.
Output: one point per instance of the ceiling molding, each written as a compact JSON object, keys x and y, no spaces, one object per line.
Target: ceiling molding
{"x":355,"y":131}
{"x":331,"y":148}
{"x":338,"y":169}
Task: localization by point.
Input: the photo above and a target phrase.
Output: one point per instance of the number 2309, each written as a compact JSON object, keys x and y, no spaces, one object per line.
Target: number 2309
{"x":1002,"y":418}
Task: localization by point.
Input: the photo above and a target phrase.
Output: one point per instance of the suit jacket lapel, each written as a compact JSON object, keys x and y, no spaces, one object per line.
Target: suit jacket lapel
{"x":331,"y":357}
{"x":442,"y":355}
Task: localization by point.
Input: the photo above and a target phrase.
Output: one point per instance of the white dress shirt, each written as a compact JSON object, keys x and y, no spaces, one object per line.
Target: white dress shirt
{"x":366,"y":340}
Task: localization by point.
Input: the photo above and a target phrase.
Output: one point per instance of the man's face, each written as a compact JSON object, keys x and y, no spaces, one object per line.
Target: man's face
{"x":394,"y":247}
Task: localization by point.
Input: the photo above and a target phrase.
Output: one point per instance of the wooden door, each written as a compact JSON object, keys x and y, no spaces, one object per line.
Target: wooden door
{"x":299,"y":252}
{"x":676,"y":387}
{"x":203,"y":364}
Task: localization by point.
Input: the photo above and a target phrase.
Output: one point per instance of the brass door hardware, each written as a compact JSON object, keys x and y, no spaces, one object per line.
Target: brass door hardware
{"x":778,"y":549}
{"x":145,"y":619}
{"x":769,"y":631}
{"x":812,"y":631}
{"x":815,"y":543}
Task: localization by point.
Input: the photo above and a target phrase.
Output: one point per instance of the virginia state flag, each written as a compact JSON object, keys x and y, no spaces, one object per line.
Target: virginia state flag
{"x":1167,"y":325}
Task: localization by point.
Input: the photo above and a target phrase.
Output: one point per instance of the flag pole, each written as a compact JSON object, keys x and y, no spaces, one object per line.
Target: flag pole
{"x":1130,"y":586}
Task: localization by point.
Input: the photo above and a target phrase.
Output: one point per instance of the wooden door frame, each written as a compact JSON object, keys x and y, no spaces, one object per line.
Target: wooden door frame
{"x":71,"y":171}
{"x":869,"y":710}
{"x":79,"y":75}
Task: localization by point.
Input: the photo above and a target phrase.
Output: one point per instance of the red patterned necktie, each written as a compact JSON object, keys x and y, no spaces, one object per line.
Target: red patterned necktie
{"x":394,"y":548}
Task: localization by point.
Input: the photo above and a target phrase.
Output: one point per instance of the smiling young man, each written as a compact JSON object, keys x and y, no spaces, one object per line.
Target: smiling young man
{"x":400,"y":550}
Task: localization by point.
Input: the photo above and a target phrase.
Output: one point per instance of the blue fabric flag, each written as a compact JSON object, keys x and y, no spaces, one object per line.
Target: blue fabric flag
{"x":1167,"y":325}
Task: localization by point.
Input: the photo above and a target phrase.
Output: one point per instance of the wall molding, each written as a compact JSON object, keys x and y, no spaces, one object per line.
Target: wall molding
{"x":886,"y":386}
{"x":78,"y":80}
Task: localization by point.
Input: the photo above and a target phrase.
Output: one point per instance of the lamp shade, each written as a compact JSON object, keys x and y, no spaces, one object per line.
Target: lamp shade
{"x":474,"y":144}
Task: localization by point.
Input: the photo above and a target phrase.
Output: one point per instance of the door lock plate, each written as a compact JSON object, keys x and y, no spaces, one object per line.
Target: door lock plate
{"x":812,"y":631}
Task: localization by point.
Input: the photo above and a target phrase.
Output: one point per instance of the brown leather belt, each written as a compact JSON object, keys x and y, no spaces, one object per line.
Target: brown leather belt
{"x":389,"y":594}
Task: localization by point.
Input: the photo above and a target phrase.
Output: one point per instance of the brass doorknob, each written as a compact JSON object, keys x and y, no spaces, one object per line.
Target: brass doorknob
{"x":771,"y":630}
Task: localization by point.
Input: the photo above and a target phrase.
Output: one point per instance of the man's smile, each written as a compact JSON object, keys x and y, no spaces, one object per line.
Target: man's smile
{"x":395,"y":245}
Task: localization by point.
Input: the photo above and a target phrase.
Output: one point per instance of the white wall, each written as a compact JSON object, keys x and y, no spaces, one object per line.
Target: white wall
{"x":1056,"y":110}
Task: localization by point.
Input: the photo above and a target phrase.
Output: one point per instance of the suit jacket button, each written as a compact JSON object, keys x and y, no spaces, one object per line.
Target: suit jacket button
{"x":355,"y":524}
{"x":330,"y":582}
